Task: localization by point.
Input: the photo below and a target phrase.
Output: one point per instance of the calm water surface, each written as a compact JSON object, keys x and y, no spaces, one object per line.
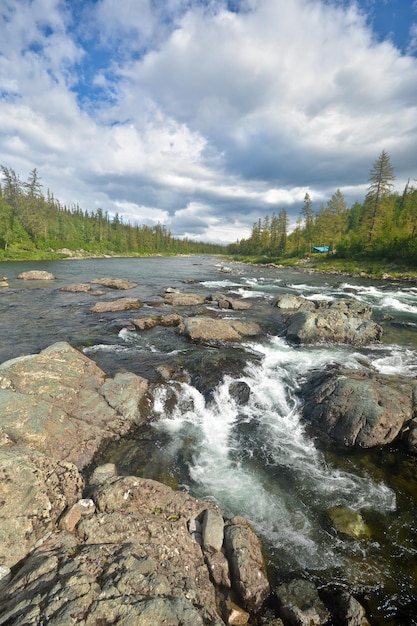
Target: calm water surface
{"x":254,"y":460}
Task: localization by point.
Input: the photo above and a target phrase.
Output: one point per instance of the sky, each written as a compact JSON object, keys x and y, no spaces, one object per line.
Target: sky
{"x":206,"y":115}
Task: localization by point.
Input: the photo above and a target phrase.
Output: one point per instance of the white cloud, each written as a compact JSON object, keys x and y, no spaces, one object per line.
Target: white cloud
{"x":197,"y":117}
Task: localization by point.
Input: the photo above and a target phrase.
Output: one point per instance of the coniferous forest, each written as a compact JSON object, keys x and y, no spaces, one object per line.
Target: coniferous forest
{"x":35,"y":225}
{"x":382,"y":228}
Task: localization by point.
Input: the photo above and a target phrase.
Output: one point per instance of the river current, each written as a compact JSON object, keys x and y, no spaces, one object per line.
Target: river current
{"x":254,"y":460}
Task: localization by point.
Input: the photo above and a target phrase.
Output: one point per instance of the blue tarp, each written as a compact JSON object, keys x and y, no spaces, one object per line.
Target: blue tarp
{"x":320,"y":248}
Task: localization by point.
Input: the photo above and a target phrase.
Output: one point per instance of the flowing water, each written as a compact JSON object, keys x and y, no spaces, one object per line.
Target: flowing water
{"x":254,"y":459}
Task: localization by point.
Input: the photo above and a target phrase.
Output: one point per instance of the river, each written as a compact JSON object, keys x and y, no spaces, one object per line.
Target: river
{"x":255,"y":460}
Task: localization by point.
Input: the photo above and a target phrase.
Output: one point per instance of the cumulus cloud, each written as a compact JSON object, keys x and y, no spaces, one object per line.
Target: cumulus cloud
{"x":199,"y":115}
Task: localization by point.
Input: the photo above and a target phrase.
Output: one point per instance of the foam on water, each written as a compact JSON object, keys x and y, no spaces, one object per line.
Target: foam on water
{"x":256,"y":459}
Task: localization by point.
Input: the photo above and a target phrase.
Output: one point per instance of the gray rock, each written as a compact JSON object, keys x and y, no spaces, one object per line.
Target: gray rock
{"x":212,"y":530}
{"x":61,"y":403}
{"x":205,"y":329}
{"x":183,"y":299}
{"x":113,"y":283}
{"x":36,"y":275}
{"x":246,"y":562}
{"x":102,"y":473}
{"x":121,"y":304}
{"x":358,"y":407}
{"x":240,"y":392}
{"x":34,"y":490}
{"x":300,"y":604}
{"x":77,"y":288}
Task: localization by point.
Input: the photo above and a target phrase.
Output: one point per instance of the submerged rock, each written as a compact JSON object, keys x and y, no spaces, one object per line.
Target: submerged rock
{"x":300,"y":604}
{"x":36,"y":275}
{"x":348,"y":522}
{"x":358,"y":407}
{"x":77,"y":288}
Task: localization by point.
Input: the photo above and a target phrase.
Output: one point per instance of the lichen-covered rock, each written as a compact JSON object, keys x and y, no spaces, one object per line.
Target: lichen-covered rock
{"x":61,"y":403}
{"x":34,"y":491}
{"x":358,"y":407}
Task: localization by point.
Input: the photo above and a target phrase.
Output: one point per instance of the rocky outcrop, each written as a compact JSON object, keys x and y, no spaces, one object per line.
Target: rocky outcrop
{"x":34,"y":491}
{"x":340,"y":321}
{"x":113,"y":283}
{"x":36,"y":275}
{"x":206,"y":329}
{"x":121,"y":304}
{"x":135,"y":559}
{"x":359,"y":408}
{"x":61,"y":403}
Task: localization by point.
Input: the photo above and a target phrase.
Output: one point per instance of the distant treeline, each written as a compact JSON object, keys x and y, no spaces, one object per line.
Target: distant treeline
{"x":383,"y":227}
{"x":31,"y":222}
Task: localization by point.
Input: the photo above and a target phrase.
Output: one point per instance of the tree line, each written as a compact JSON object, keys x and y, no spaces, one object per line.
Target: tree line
{"x":31,"y":221}
{"x":383,"y":226}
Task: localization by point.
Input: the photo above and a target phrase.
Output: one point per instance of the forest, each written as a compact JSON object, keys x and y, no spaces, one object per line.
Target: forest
{"x":383,"y":227}
{"x":34,"y":225}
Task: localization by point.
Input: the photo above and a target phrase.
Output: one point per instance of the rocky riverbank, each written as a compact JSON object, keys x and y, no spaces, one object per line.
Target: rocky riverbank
{"x":82,"y":547}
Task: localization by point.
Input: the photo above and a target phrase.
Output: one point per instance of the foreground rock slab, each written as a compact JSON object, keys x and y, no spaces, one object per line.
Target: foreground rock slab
{"x":61,"y":403}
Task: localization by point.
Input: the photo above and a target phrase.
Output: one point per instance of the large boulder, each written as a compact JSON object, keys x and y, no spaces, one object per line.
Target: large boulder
{"x":34,"y":491}
{"x":358,"y":408}
{"x":340,"y":321}
{"x":206,"y":329}
{"x":61,"y":403}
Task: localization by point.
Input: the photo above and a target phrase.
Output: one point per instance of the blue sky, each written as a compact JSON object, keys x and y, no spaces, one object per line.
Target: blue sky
{"x":205,"y":115}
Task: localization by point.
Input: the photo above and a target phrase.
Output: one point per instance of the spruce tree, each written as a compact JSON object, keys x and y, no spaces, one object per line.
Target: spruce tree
{"x":381,"y":179}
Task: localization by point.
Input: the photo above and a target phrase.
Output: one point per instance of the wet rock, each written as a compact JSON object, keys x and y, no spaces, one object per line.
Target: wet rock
{"x":77,"y":288}
{"x":145,"y":323}
{"x":346,"y":610}
{"x":246,"y":562}
{"x":240,"y":392}
{"x":340,"y":321}
{"x":61,"y":403}
{"x":234,"y":615}
{"x":3,"y":282}
{"x":358,"y":407}
{"x":206,"y":329}
{"x":121,"y":304}
{"x":411,"y":436}
{"x":170,"y":320}
{"x":300,"y":604}
{"x":113,"y":283}
{"x":36,"y":275}
{"x":183,"y":299}
{"x":289,"y":302}
{"x":34,"y":491}
{"x":348,"y":522}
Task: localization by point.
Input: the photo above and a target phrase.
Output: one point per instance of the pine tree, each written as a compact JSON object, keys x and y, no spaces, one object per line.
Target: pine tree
{"x":381,"y":179}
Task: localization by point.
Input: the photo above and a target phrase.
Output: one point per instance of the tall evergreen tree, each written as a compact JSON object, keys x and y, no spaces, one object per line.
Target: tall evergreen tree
{"x":381,"y":179}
